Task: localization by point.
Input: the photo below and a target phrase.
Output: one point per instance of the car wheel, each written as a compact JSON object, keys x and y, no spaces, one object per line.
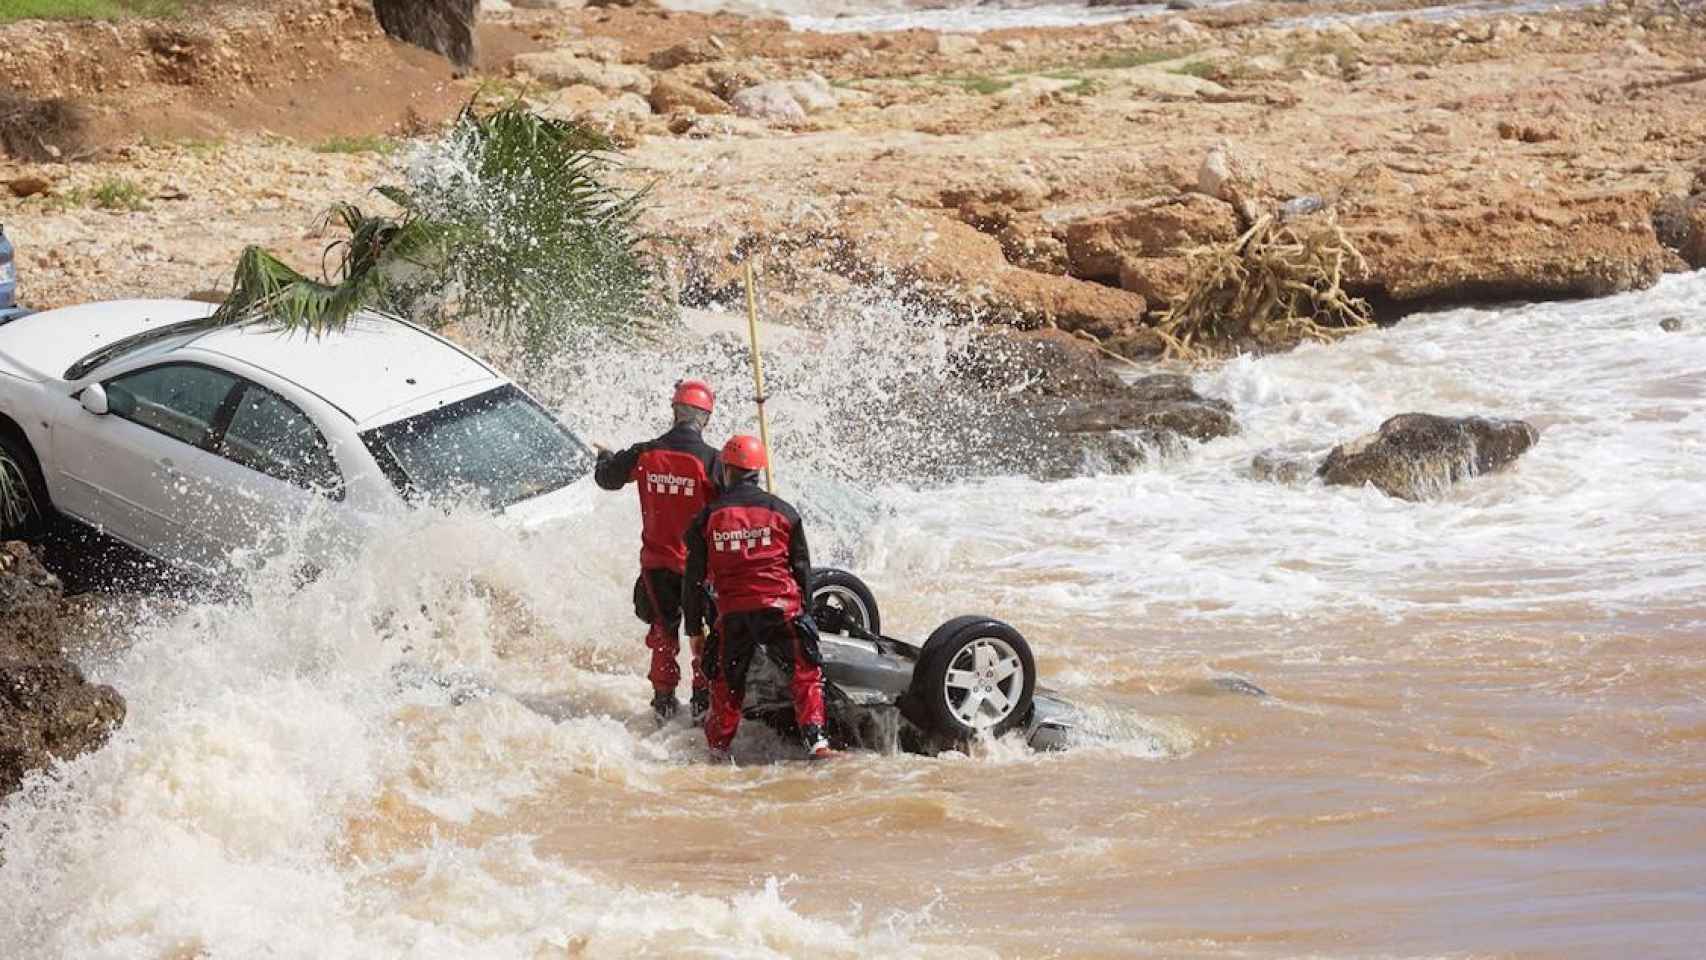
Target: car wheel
{"x":26,"y":516}
{"x":840,"y":599}
{"x":975,"y":677}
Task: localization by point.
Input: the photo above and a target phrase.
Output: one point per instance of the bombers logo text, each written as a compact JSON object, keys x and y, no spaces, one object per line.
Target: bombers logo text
{"x":670,"y":484}
{"x":739,"y":540}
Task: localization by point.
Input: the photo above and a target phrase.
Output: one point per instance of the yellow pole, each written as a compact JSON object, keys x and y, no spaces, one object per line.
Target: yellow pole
{"x":758,"y":376}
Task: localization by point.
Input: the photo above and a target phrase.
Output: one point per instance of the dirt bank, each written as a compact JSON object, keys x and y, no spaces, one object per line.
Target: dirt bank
{"x":1044,"y":177}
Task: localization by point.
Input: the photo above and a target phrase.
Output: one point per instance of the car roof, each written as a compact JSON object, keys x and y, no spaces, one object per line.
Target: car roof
{"x":374,"y":366}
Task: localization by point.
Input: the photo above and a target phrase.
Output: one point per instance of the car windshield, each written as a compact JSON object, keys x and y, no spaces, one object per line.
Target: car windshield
{"x":499,"y":447}
{"x":135,"y":343}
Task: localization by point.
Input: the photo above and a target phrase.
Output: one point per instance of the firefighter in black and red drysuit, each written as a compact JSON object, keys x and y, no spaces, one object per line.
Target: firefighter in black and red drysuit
{"x":750,"y":546}
{"x":676,"y":475}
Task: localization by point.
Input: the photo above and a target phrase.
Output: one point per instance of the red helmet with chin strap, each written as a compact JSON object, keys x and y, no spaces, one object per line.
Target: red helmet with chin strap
{"x":695,"y":393}
{"x":744,"y":452}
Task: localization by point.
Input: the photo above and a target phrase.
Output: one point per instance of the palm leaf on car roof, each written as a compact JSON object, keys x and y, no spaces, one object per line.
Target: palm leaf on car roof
{"x":527,"y":230}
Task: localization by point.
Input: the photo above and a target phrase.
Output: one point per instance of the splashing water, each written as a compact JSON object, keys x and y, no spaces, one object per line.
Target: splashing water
{"x":443,"y":747}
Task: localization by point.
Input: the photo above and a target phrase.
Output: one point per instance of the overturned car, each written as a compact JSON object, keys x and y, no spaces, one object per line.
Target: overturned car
{"x":974,"y":677}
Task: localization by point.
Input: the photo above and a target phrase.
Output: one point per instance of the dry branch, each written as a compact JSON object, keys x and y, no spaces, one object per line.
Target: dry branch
{"x":1278,"y":284}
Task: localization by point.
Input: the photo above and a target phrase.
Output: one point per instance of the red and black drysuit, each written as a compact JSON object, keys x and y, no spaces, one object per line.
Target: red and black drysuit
{"x":751,"y":547}
{"x":674,"y":475}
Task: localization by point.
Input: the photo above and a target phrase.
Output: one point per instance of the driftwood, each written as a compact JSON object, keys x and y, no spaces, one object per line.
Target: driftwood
{"x":1279,"y":283}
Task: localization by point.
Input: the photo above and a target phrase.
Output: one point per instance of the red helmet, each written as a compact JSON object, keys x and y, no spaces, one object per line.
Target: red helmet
{"x":744,"y":453}
{"x":695,"y":393}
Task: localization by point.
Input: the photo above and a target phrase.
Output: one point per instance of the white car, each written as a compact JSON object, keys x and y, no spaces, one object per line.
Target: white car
{"x":193,"y":442}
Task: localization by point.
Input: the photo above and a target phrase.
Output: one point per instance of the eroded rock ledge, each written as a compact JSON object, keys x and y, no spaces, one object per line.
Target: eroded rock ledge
{"x":48,"y":711}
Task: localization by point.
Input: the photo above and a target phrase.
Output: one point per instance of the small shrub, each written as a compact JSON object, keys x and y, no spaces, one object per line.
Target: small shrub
{"x":38,"y":129}
{"x":117,"y":193}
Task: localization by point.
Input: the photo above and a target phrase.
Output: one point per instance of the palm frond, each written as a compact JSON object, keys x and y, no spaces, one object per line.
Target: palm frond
{"x":522,"y":226}
{"x":16,"y":502}
{"x":266,"y":288}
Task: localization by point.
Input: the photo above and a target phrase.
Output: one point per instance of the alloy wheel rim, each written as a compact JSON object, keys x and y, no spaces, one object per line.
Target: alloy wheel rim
{"x":984,"y":682}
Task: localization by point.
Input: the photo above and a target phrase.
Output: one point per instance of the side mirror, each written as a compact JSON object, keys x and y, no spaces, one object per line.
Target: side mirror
{"x":94,"y":397}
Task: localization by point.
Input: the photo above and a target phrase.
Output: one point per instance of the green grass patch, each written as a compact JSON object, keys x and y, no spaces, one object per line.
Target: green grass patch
{"x":1126,"y":59}
{"x":116,"y":193}
{"x":979,"y":83}
{"x":363,"y":144}
{"x":11,"y":10}
{"x":1197,"y":68}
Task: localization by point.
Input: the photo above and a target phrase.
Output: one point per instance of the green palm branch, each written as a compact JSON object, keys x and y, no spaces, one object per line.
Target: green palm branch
{"x":16,"y":503}
{"x":524,"y":231}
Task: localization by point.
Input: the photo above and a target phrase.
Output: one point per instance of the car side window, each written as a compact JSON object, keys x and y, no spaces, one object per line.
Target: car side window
{"x":271,"y":435}
{"x":179,"y":400}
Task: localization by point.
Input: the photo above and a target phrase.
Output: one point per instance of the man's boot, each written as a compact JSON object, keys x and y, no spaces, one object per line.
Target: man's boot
{"x":816,"y":743}
{"x":701,"y":705}
{"x":665,"y":706}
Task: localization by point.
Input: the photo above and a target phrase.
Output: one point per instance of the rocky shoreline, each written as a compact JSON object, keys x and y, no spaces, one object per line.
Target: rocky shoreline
{"x":48,"y":711}
{"x":1059,"y":182}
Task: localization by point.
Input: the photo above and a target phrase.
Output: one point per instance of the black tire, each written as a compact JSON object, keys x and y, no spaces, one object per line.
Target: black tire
{"x":939,"y":707}
{"x":19,"y":459}
{"x":839,"y":596}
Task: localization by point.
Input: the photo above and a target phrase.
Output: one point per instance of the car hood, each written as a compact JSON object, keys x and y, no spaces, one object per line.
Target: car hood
{"x":564,"y":503}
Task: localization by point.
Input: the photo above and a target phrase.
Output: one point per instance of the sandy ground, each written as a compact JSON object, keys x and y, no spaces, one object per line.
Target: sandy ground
{"x":1014,"y":174}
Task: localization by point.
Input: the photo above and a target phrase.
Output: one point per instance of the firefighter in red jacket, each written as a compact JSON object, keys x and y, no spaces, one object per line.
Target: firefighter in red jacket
{"x":751,"y":548}
{"x":676,"y":476}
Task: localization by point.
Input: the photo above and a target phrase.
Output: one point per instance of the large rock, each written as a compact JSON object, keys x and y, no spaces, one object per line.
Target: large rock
{"x":443,"y":26}
{"x":1414,"y":456}
{"x":1461,"y":248}
{"x":1162,"y":403}
{"x":1162,"y":281}
{"x":47,"y":710}
{"x":1160,"y":227}
{"x":566,"y":68}
{"x":1059,"y":410}
{"x":670,"y":95}
{"x":955,"y":44}
{"x":957,"y":267}
{"x":683,"y":54}
{"x":1680,"y":224}
{"x":1044,"y":363}
{"x":772,"y":102}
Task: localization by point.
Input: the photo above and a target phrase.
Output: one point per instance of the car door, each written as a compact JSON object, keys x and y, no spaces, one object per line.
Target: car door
{"x":267,"y":476}
{"x":126,"y":471}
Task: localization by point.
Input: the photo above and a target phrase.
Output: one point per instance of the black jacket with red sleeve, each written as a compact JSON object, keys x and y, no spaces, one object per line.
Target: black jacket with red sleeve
{"x":676,"y":476}
{"x":751,"y":547}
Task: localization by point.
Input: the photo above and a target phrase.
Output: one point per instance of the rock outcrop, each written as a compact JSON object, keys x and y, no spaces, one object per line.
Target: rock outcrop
{"x":47,"y":710}
{"x":445,"y":27}
{"x":1443,"y":248}
{"x":567,"y":68}
{"x":1162,"y":403}
{"x":1414,"y":456}
{"x":965,"y":270}
{"x":1160,"y":227}
{"x":1061,"y":411}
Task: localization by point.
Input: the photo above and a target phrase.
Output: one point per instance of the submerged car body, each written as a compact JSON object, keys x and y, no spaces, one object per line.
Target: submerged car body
{"x":195,"y":443}
{"x":886,"y":694}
